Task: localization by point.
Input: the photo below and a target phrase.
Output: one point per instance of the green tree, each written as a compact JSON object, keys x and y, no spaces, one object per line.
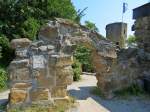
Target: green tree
{"x":91,"y":26}
{"x":6,"y":51}
{"x":16,"y":15}
{"x":23,"y":18}
{"x":30,"y":28}
{"x":132,"y":40}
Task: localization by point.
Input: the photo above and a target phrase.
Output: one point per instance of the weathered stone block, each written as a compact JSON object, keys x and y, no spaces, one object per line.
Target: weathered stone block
{"x":64,"y":76}
{"x":65,"y":99}
{"x":24,"y":63}
{"x":49,"y":33}
{"x":60,"y":60}
{"x":17,"y":96}
{"x":64,"y":80}
{"x":40,"y":94}
{"x":59,"y":92}
{"x":44,"y":80}
{"x":21,"y":53}
{"x":20,"y":43}
{"x":21,"y":85}
{"x":38,"y":61}
{"x":64,"y":71}
{"x":21,"y":74}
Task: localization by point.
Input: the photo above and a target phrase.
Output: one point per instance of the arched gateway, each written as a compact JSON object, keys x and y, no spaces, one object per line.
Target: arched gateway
{"x":42,"y":69}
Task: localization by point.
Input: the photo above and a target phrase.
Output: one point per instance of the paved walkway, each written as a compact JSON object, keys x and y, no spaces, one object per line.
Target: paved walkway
{"x":90,"y":103}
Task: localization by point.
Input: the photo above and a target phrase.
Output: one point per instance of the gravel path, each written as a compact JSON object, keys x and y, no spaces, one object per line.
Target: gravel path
{"x":4,"y":97}
{"x":90,"y":103}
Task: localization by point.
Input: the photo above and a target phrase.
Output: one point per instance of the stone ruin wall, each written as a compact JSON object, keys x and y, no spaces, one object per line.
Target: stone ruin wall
{"x":41,"y":76}
{"x":42,"y":69}
{"x":142,"y":33}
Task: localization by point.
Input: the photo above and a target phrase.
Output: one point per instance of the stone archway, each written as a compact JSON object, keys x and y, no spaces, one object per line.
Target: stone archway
{"x":42,"y":69}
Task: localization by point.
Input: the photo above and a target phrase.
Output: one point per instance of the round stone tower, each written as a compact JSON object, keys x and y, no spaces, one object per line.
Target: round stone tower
{"x":117,"y":33}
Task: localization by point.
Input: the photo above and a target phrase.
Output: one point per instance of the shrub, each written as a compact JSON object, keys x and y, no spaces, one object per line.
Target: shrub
{"x":77,"y":70}
{"x":6,"y":51}
{"x":3,"y":78}
{"x":91,"y":26}
{"x":83,"y":55}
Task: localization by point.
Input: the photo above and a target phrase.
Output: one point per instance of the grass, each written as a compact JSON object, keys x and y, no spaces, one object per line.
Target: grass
{"x":126,"y":93}
{"x":3,"y":107}
{"x":133,"y":90}
{"x":63,"y":106}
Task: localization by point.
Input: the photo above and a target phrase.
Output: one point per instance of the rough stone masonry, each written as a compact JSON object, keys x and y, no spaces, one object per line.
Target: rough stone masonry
{"x":42,"y":69}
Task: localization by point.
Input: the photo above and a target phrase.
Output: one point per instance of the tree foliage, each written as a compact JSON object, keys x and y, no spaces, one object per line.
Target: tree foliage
{"x":23,"y":19}
{"x":131,"y":41}
{"x":83,"y":55}
{"x":19,"y":17}
{"x":6,"y":51}
{"x":91,"y":26}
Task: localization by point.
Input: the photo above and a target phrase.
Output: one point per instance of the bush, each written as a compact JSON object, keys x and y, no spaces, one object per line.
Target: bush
{"x":6,"y":51}
{"x":83,"y":55}
{"x":91,"y":26}
{"x":3,"y":78}
{"x":77,"y":70}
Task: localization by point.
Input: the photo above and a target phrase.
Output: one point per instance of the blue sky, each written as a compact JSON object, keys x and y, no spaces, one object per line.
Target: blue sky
{"x":103,"y":12}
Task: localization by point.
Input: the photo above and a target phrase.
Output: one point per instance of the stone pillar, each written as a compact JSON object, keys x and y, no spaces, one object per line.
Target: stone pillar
{"x":39,"y":74}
